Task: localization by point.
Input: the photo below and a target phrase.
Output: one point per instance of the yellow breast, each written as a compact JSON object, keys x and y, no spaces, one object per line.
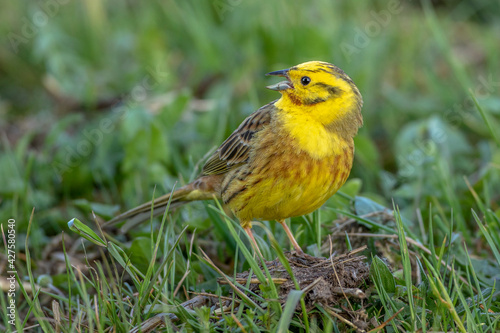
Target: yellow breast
{"x":292,"y":172}
{"x":313,"y":138}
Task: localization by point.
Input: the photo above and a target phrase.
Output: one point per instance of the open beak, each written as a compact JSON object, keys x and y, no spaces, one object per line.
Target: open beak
{"x":283,"y":85}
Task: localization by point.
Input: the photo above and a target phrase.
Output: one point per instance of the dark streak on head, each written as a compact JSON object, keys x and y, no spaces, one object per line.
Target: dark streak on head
{"x":312,"y":101}
{"x":332,"y":91}
{"x":339,"y":73}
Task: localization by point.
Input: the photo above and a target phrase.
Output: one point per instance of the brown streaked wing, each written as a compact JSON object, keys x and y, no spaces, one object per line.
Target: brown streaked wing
{"x":235,"y":150}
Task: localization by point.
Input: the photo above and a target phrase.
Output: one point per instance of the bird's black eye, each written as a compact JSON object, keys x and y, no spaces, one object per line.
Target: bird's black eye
{"x":305,"y":80}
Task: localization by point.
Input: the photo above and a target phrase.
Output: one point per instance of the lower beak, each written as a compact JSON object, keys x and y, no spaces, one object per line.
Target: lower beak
{"x":283,"y":85}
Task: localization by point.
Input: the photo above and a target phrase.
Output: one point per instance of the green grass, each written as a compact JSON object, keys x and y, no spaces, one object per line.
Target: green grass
{"x":105,"y":104}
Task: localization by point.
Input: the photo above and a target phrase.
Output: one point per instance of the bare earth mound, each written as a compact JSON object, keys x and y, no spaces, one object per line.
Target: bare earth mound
{"x":325,"y":280}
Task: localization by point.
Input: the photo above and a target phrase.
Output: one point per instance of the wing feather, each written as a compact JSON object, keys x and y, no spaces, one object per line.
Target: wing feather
{"x":236,"y":149}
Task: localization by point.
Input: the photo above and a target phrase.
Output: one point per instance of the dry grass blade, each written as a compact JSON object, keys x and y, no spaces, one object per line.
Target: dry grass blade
{"x":238,"y":323}
{"x":252,"y":281}
{"x":216,"y":296}
{"x":342,"y":319}
{"x":57,"y":315}
{"x":311,"y":286}
{"x":181,"y":281}
{"x":347,"y":254}
{"x":384,"y":324}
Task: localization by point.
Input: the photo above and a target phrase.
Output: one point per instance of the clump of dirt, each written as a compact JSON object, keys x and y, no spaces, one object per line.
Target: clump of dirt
{"x":324,"y":280}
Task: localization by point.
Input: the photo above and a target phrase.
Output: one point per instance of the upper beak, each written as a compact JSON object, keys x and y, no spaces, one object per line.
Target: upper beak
{"x":283,"y":85}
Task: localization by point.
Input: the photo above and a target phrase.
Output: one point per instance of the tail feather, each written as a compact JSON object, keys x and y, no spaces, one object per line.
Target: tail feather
{"x":142,"y":213}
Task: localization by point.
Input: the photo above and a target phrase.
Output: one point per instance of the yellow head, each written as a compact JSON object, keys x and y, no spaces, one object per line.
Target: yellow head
{"x":323,"y":92}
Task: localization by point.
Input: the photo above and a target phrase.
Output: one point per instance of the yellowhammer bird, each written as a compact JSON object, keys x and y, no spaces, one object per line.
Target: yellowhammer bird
{"x":287,"y":158}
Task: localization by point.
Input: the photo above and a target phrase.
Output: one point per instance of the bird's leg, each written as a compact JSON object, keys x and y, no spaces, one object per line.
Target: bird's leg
{"x":292,"y":239}
{"x":248,"y":230}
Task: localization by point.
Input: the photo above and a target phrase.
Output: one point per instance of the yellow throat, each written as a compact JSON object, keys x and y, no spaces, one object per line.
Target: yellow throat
{"x":320,"y":107}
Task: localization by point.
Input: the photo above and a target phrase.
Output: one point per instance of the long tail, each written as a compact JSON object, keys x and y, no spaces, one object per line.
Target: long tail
{"x":185,"y":194}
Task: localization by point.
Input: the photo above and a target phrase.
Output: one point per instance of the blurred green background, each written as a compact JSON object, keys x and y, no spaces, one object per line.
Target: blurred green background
{"x":101,"y":101}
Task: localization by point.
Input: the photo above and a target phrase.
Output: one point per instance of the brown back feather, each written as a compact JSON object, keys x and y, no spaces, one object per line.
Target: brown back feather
{"x":235,"y":150}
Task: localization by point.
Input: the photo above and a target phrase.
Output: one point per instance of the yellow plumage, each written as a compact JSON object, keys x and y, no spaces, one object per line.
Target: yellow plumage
{"x":288,"y":157}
